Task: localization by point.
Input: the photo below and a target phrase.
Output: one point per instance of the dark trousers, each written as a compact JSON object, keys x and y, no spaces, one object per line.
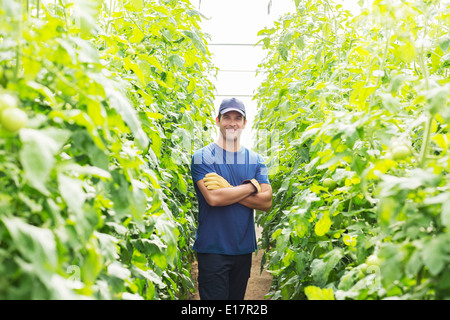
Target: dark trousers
{"x":223,"y":277}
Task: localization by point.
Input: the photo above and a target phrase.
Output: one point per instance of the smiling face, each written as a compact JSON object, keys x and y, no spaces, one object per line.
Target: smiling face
{"x":231,"y":125}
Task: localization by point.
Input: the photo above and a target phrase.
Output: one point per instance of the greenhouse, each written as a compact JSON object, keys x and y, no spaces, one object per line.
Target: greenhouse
{"x":115,"y":115}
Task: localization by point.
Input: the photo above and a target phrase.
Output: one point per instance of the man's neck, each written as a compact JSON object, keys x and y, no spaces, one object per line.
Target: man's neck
{"x":230,"y":146}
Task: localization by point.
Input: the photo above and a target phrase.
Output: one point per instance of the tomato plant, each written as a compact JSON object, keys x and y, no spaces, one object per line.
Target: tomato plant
{"x":95,"y":197}
{"x":361,"y":101}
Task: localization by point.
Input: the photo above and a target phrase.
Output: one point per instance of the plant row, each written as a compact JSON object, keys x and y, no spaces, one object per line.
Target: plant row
{"x":359,"y":108}
{"x":95,"y":100}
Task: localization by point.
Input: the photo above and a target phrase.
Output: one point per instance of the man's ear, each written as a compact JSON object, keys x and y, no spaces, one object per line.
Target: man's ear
{"x":217,"y":121}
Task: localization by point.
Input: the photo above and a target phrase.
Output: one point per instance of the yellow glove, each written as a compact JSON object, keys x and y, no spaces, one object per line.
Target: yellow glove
{"x":213,"y":181}
{"x":255,"y":183}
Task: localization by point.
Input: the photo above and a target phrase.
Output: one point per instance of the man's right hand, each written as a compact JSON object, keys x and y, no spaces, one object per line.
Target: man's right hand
{"x":214,"y":181}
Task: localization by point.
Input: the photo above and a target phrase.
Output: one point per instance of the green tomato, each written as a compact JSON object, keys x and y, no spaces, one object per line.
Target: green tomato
{"x":400,"y":152}
{"x":362,"y":270}
{"x":130,"y":52}
{"x":7,"y":101}
{"x":141,"y":47}
{"x":373,"y":260}
{"x":329,"y":183}
{"x":363,"y":267}
{"x":13,"y":119}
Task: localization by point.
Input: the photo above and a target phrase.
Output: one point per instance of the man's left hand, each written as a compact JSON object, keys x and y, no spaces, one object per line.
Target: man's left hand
{"x":214,"y":181}
{"x":255,"y":183}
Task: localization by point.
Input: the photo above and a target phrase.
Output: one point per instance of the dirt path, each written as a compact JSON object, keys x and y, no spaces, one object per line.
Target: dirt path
{"x":258,"y":285}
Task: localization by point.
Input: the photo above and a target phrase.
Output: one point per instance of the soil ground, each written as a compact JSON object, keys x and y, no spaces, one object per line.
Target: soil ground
{"x":258,"y":284}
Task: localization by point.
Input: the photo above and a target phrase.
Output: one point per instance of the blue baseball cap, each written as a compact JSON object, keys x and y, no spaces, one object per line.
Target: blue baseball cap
{"x":232,"y":104}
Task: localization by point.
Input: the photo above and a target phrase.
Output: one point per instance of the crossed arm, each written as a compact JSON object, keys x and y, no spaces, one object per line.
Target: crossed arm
{"x":243,"y":194}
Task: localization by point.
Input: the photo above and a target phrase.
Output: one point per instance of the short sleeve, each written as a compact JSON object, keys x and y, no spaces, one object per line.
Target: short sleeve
{"x":200,"y":167}
{"x":262,"y":172}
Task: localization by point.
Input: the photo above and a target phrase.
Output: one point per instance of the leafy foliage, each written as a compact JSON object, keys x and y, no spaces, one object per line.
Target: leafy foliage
{"x":361,"y":100}
{"x":95,"y":196}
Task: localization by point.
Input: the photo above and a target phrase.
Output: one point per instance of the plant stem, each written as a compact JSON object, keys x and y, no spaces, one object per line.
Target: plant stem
{"x":428,"y":123}
{"x":426,"y":140}
{"x":382,"y":65}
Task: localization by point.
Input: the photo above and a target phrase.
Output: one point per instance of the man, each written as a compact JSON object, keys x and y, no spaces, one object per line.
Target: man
{"x":230,"y":182}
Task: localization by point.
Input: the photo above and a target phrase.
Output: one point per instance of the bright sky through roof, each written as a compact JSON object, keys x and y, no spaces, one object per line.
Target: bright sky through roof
{"x":233,"y":26}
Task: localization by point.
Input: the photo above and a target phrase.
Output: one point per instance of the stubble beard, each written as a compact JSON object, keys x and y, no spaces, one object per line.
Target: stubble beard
{"x":231,"y":138}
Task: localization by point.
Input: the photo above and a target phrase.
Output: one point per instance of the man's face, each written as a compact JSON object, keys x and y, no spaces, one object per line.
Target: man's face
{"x":231,"y":125}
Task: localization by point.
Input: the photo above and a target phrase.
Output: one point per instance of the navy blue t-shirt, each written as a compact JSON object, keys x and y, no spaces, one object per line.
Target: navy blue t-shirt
{"x":226,"y":229}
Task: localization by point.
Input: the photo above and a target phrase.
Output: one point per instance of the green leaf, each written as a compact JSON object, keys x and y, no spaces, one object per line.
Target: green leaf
{"x":181,"y":184}
{"x":396,"y":82}
{"x":437,"y":98}
{"x":87,"y":53}
{"x":300,"y":43}
{"x":160,"y":259}
{"x":156,"y":143}
{"x":283,"y":52}
{"x":92,"y":263}
{"x":123,"y":106}
{"x":36,"y":245}
{"x":84,"y":170}
{"x":177,"y":60}
{"x":134,"y":5}
{"x":37,"y":154}
{"x":435,"y":254}
{"x":72,"y":192}
{"x":138,"y":201}
{"x":445,"y":214}
{"x":300,"y":223}
{"x":154,"y":115}
{"x":390,"y":103}
{"x":406,"y":52}
{"x":321,"y":268}
{"x":196,"y":40}
{"x":117,"y":270}
{"x":85,"y":13}
{"x":323,"y":225}
{"x":130,"y":65}
{"x":391,"y":265}
{"x":153,"y":61}
{"x":316,"y":293}
{"x":444,"y":43}
{"x":137,"y":36}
